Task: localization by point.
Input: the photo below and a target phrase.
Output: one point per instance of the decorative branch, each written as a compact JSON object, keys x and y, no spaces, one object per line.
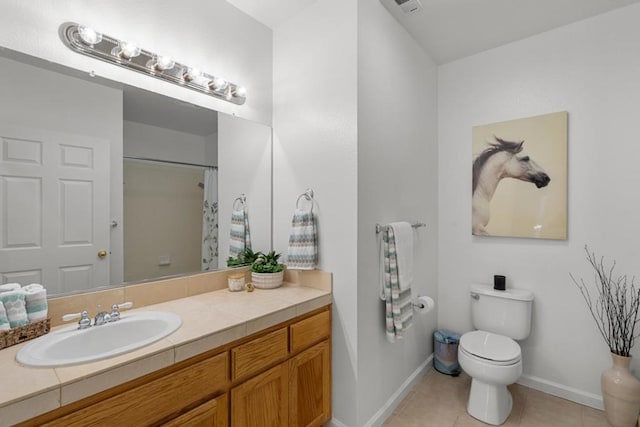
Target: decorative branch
{"x":616,"y":306}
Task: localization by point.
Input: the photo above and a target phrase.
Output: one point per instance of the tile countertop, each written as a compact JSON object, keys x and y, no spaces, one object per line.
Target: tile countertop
{"x":209,"y":320}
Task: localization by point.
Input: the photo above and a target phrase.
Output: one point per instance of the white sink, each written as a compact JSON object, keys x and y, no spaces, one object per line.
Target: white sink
{"x":71,"y":346}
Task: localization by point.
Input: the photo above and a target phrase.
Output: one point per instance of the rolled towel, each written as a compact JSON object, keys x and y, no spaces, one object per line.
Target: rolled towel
{"x":10,"y":287}
{"x":36,"y":302}
{"x":14,"y":304}
{"x":4,"y":321}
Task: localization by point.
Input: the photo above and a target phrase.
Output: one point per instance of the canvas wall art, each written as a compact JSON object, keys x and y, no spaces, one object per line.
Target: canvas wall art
{"x":520,"y":178}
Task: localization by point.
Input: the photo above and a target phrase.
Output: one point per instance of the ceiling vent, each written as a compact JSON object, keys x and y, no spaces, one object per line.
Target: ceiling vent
{"x":409,"y":6}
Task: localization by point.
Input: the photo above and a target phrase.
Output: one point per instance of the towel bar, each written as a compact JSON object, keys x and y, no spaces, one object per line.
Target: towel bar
{"x":380,"y":227}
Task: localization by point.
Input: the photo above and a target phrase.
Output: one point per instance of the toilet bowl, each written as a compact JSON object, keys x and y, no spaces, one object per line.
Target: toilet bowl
{"x":493,"y":361}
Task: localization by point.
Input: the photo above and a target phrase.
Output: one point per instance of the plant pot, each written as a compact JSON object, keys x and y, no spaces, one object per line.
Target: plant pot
{"x":267,"y":280}
{"x":621,"y":393}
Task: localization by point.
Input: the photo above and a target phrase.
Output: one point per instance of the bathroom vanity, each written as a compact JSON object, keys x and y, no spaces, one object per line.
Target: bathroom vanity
{"x":238,"y":359}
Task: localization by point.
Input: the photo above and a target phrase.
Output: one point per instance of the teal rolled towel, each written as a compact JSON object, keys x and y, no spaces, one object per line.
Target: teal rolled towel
{"x":36,"y":302}
{"x":4,"y":321}
{"x":8,"y":287}
{"x":14,"y":304}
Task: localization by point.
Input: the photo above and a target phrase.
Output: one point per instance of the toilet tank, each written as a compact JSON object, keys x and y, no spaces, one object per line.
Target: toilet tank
{"x":502,"y":312}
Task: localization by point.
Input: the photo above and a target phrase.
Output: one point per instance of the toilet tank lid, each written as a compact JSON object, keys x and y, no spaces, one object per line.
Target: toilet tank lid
{"x":510,"y":293}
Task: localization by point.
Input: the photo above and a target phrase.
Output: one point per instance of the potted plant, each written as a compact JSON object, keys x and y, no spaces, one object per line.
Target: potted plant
{"x":245,"y":257}
{"x":266,"y":271}
{"x":615,"y":308}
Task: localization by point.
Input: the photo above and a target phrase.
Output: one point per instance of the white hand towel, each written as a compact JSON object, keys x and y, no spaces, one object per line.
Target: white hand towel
{"x":403,"y":233}
{"x":4,"y":320}
{"x":9,"y":287}
{"x":14,"y":304}
{"x":36,"y":302}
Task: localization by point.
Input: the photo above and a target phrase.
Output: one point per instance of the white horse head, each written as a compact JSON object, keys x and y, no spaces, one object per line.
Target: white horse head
{"x":500,"y":160}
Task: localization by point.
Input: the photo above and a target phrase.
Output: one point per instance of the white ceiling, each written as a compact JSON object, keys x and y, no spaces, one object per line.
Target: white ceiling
{"x":271,"y":13}
{"x":453,"y":29}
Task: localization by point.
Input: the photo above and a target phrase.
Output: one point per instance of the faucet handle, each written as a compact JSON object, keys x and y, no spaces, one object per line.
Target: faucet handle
{"x":115,"y":310}
{"x":84,"y":322}
{"x":125,"y":305}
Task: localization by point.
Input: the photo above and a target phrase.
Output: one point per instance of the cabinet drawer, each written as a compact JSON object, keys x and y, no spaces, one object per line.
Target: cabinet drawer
{"x":257,"y":354}
{"x":213,"y":413}
{"x":309,"y":331}
{"x":149,"y":403}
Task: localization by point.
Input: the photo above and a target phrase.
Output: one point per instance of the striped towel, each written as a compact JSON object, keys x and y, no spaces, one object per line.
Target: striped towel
{"x":240,"y":235}
{"x":4,"y":320}
{"x":36,"y":302}
{"x":399,"y":311}
{"x":14,"y":304}
{"x":303,"y":241}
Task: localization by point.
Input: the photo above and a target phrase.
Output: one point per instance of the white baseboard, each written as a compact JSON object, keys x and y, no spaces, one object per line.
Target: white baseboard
{"x":335,"y":423}
{"x":563,"y":391}
{"x":390,"y":405}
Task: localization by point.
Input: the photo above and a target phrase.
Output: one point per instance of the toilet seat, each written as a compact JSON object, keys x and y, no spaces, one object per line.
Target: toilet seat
{"x":497,"y":349}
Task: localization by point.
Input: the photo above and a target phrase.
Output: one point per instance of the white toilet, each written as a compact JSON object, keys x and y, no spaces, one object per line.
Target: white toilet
{"x":490,"y":356}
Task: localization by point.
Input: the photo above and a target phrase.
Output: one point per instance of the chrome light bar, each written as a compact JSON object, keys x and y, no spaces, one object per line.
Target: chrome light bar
{"x":86,"y":41}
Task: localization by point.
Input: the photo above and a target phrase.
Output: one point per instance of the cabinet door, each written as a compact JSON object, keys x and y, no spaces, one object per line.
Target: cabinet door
{"x":310,"y":386}
{"x":159,"y":399}
{"x":210,"y":414}
{"x":262,"y":400}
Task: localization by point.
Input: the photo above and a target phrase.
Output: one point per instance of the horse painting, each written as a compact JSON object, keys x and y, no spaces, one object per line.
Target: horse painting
{"x":500,"y":160}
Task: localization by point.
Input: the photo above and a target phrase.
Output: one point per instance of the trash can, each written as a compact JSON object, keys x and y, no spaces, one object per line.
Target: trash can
{"x":445,"y":352}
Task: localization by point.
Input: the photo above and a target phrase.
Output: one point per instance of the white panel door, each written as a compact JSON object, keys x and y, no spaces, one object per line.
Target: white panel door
{"x":54,"y":209}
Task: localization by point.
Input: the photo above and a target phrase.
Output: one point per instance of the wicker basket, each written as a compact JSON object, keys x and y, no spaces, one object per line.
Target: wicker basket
{"x":267,"y":280}
{"x":24,"y":333}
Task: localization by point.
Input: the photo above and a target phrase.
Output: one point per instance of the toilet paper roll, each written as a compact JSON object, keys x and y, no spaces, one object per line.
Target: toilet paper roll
{"x":423,"y":305}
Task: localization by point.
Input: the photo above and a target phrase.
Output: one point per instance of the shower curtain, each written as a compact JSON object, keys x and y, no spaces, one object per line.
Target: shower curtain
{"x":210,"y":220}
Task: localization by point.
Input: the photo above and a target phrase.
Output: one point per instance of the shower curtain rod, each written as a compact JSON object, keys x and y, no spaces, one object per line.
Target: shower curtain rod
{"x":146,"y":159}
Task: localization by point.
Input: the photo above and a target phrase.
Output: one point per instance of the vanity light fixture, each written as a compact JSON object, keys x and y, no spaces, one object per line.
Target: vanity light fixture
{"x":87,"y":41}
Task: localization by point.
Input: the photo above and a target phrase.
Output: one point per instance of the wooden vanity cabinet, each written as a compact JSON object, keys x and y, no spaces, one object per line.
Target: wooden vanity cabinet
{"x":310,"y":386}
{"x":213,"y":413}
{"x":295,"y":393}
{"x":278,"y":377}
{"x":262,"y":400}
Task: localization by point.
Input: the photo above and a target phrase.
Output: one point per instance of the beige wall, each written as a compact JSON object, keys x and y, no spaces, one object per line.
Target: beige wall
{"x":162,"y":217}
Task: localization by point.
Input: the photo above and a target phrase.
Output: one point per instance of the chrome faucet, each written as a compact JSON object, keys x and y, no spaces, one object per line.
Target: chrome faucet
{"x":101,"y":318}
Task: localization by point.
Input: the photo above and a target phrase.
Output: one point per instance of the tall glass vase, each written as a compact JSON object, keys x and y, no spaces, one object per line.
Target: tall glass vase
{"x":621,"y":393}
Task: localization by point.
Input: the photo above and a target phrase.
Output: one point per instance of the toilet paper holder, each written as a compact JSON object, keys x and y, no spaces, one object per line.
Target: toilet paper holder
{"x":422,"y":304}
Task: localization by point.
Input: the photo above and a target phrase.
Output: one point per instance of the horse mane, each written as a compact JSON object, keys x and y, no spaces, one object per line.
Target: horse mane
{"x":496,"y":147}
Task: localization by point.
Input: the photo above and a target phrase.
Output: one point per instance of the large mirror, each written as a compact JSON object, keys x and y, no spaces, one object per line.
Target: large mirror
{"x":104,"y":184}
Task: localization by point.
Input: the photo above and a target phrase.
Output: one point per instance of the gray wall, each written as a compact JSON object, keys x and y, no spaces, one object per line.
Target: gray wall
{"x":589,"y":69}
{"x":397,"y":181}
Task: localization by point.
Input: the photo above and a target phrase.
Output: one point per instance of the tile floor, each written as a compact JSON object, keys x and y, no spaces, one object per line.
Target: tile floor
{"x":440,"y":401}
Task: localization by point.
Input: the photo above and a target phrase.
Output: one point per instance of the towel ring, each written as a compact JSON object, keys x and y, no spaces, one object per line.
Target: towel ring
{"x":242,"y":199}
{"x":307,"y":195}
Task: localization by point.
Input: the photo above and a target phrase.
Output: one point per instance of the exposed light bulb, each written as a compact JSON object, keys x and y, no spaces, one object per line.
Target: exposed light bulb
{"x":87,"y":41}
{"x":164,"y":63}
{"x":129,"y":50}
{"x":241,"y":92}
{"x":192,"y":74}
{"x":89,"y":35}
{"x":218,"y":83}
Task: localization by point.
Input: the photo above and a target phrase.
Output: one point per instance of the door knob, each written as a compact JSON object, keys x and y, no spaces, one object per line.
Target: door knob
{"x":102,"y":254}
